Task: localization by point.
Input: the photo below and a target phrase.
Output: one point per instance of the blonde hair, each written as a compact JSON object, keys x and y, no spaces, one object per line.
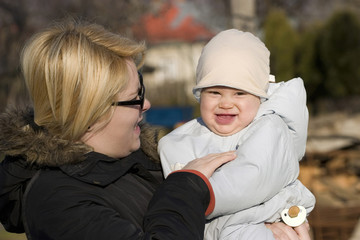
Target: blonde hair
{"x":73,"y":72}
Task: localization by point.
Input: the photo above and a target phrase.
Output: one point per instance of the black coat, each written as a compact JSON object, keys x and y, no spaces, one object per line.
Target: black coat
{"x":92,"y":196}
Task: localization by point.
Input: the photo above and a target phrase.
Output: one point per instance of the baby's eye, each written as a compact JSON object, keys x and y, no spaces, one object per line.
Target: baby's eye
{"x":240,"y":93}
{"x":213,"y":92}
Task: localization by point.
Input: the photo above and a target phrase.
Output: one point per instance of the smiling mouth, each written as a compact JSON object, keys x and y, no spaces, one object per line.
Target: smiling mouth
{"x":225,"y":118}
{"x":140,"y":123}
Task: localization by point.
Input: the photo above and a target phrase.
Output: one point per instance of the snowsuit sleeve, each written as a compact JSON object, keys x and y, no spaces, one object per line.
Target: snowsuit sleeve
{"x":14,"y":176}
{"x":176,"y":211}
{"x":265,"y":164}
{"x":288,"y":100}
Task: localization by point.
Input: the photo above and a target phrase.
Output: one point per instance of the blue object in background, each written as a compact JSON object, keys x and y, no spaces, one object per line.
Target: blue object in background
{"x":168,"y":116}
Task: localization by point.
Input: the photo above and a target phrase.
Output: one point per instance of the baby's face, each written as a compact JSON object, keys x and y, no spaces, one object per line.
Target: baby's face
{"x":226,"y":111}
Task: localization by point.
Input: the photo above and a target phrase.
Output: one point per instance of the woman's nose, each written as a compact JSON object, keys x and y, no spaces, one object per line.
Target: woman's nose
{"x":147,"y":105}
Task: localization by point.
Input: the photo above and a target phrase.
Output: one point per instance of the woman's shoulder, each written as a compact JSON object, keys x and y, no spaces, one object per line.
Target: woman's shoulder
{"x":52,"y":182}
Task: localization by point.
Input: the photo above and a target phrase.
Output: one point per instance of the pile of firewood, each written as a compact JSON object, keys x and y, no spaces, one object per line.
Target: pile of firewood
{"x":331,"y":170}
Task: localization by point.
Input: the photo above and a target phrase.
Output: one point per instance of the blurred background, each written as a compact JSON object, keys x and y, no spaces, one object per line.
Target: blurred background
{"x":317,"y":40}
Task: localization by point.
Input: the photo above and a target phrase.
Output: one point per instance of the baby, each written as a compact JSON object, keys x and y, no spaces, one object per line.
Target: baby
{"x":266,"y":123}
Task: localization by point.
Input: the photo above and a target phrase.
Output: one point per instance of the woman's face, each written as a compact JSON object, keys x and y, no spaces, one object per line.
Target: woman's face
{"x":226,"y":111}
{"x":120,"y":136}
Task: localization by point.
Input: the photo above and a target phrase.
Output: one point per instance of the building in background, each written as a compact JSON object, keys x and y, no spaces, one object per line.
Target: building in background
{"x":175,"y":38}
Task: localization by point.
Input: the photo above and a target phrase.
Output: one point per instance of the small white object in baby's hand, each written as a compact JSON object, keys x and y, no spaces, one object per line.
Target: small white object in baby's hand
{"x":294,"y":216}
{"x":177,"y":166}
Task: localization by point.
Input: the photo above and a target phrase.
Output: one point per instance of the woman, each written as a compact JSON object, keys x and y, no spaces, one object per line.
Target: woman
{"x":74,"y":168}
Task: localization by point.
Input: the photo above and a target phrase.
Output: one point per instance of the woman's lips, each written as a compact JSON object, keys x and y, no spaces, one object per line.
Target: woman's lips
{"x":224,"y":118}
{"x":137,"y":129}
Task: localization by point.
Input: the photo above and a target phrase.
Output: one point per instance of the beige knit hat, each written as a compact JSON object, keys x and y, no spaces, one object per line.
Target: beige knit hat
{"x":234,"y":59}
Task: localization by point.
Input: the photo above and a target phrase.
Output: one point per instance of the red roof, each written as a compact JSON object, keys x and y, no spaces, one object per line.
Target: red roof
{"x":163,"y":27}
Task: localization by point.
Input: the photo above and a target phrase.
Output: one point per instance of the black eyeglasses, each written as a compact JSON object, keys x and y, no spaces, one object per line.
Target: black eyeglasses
{"x":141,"y":95}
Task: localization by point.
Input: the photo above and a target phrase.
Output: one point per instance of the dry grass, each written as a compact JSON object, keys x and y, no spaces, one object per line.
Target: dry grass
{"x":4,"y":235}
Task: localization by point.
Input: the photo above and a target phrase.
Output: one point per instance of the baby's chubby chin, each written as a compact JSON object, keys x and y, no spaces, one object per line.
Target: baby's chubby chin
{"x":223,"y":131}
{"x":226,"y":130}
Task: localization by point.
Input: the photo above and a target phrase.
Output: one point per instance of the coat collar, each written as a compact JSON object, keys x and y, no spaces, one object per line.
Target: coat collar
{"x":20,"y":136}
{"x":102,"y":170}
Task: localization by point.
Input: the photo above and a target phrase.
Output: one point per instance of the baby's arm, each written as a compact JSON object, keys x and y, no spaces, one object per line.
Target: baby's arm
{"x":265,"y":165}
{"x":288,"y":100}
{"x":240,"y":225}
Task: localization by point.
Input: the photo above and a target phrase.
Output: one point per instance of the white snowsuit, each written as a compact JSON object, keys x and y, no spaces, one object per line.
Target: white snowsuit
{"x":262,"y":180}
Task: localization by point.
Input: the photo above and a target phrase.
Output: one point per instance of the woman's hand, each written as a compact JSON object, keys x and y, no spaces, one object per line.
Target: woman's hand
{"x":208,"y":164}
{"x":303,"y":231}
{"x":282,"y":231}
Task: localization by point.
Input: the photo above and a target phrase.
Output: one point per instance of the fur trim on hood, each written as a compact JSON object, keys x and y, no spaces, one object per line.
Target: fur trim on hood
{"x":20,"y":136}
{"x":149,"y":138}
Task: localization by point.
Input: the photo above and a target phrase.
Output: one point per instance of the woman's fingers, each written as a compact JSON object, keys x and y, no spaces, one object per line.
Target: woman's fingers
{"x":303,"y":231}
{"x":282,"y":232}
{"x":208,"y":164}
